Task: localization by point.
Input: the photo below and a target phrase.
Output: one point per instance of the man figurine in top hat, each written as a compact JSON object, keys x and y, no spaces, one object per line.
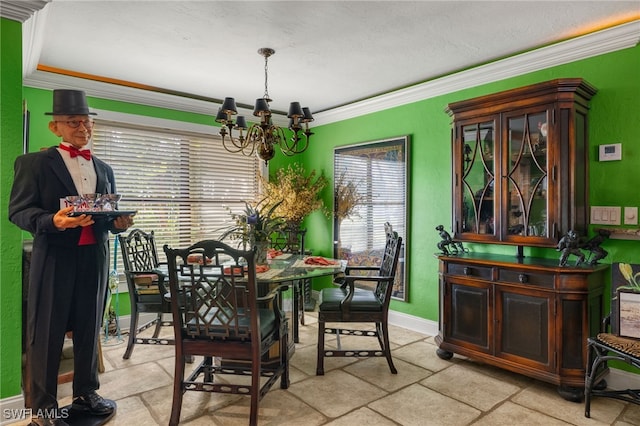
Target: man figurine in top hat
{"x":69,"y":262}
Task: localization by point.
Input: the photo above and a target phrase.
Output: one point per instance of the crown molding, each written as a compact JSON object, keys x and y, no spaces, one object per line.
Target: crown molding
{"x":20,"y":10}
{"x":605,"y":41}
{"x":594,"y":44}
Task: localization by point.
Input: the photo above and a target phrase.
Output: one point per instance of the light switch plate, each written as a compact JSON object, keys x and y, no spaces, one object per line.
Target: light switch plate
{"x":630,"y":215}
{"x":605,"y":215}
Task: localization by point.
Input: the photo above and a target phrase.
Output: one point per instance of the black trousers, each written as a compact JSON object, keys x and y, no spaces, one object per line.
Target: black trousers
{"x":71,"y":298}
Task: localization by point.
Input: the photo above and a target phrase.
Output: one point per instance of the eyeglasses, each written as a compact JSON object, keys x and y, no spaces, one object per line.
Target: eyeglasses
{"x":74,"y":124}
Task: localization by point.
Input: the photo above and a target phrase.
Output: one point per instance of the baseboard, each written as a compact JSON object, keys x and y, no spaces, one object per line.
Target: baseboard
{"x":13,"y":410}
{"x":620,"y":379}
{"x":413,"y":323}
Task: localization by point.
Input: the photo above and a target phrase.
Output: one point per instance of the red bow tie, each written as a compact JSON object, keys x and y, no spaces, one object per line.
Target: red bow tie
{"x":84,"y":153}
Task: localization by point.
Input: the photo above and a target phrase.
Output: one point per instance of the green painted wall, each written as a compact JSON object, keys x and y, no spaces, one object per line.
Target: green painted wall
{"x":614,"y":118}
{"x":11,"y":241}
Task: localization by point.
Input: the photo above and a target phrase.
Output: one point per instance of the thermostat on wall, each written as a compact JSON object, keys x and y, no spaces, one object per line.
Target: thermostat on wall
{"x":610,"y":152}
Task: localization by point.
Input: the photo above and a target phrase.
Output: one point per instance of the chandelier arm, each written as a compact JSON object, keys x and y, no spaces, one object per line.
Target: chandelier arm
{"x":293,"y":145}
{"x":254,"y":137}
{"x":234,"y":147}
{"x":237,"y":144}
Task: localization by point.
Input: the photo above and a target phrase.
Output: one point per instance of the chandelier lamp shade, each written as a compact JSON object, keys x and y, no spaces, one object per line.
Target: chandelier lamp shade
{"x":262,"y":137}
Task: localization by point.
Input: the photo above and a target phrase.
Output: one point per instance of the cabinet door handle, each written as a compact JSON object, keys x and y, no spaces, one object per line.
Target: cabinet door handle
{"x":466,"y":270}
{"x":523,"y":278}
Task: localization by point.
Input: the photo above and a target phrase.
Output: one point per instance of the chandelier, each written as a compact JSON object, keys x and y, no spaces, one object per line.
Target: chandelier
{"x":261,"y":138}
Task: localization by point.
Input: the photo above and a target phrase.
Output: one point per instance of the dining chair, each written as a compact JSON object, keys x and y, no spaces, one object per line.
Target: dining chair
{"x":147,"y":287}
{"x":219,"y":315}
{"x":291,"y":241}
{"x":347,"y":304}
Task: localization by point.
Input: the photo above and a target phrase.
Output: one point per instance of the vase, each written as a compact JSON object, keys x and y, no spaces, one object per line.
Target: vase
{"x":261,"y":252}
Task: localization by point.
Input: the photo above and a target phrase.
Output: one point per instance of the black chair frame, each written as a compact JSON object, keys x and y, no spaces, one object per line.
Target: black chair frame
{"x":348,"y":304}
{"x":601,"y":349}
{"x":140,"y":258}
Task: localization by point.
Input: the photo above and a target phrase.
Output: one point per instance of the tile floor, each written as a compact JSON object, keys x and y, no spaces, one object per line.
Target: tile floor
{"x":426,"y":391}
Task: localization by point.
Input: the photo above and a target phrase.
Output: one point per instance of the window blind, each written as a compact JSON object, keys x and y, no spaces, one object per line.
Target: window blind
{"x":382,"y":184}
{"x":181,"y":184}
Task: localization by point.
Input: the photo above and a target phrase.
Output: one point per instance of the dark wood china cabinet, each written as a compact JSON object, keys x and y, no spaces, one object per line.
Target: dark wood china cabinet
{"x":519,"y":171}
{"x":520,"y":164}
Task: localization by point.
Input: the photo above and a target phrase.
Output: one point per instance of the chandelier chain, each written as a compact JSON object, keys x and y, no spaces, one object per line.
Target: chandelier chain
{"x":266,"y":77}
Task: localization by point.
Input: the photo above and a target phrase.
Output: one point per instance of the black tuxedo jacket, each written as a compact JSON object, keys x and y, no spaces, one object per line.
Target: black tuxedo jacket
{"x":41,"y":179}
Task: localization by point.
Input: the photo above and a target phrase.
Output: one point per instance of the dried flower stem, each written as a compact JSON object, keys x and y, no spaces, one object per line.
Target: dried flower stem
{"x":297,"y":192}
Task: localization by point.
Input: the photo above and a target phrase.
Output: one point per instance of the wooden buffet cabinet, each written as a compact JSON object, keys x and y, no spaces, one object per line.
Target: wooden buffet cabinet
{"x":520,"y":178}
{"x":528,"y":315}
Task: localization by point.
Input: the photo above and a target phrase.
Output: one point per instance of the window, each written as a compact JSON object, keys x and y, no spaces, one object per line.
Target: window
{"x":378,"y":173}
{"x":181,"y":183}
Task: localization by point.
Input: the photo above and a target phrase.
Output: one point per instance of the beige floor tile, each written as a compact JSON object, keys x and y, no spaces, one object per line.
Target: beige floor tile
{"x":205,"y":420}
{"x":418,"y":405}
{"x":118,"y":384}
{"x":296,"y":375}
{"x":426,"y":391}
{"x":497,"y":373}
{"x":631,"y":414}
{"x":277,"y":407}
{"x":509,"y":414}
{"x":140,"y":355}
{"x":362,"y":416}
{"x":132,"y":411}
{"x":194,"y":404}
{"x":305,"y":360}
{"x":423,"y":354}
{"x":544,"y":397}
{"x":402,"y":336}
{"x":336,"y":393}
{"x":376,"y":371}
{"x":478,"y":390}
{"x":307,"y":335}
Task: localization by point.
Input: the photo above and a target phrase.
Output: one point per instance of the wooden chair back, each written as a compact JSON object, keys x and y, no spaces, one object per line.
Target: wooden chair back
{"x":217,"y":312}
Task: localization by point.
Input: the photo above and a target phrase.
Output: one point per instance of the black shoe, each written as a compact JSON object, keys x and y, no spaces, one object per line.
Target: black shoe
{"x":94,"y":404}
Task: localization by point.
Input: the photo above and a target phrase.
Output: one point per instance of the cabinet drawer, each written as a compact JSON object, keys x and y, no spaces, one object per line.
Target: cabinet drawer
{"x":483,"y":272}
{"x":522,"y":277}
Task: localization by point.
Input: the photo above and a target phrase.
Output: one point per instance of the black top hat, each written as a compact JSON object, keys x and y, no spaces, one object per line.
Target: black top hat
{"x":69,"y":102}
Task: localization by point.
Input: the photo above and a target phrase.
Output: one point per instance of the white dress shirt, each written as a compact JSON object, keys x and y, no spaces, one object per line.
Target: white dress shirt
{"x":82,"y":172}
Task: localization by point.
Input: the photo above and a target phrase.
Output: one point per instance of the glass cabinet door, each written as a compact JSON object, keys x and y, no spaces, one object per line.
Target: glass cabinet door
{"x":478,"y":178}
{"x":526,"y":175}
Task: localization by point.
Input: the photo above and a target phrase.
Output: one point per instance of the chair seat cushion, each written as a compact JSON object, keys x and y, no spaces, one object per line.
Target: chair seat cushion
{"x":212,"y":326}
{"x":145,"y":280}
{"x":363,"y":300}
{"x":623,"y":344}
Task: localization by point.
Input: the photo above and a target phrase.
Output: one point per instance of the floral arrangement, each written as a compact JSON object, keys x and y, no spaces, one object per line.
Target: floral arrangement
{"x":347,"y":198}
{"x":627,"y":272}
{"x":293,"y":194}
{"x":256,"y":224}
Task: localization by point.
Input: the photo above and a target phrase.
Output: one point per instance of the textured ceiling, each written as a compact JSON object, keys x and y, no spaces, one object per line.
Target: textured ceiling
{"x":328,"y":53}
